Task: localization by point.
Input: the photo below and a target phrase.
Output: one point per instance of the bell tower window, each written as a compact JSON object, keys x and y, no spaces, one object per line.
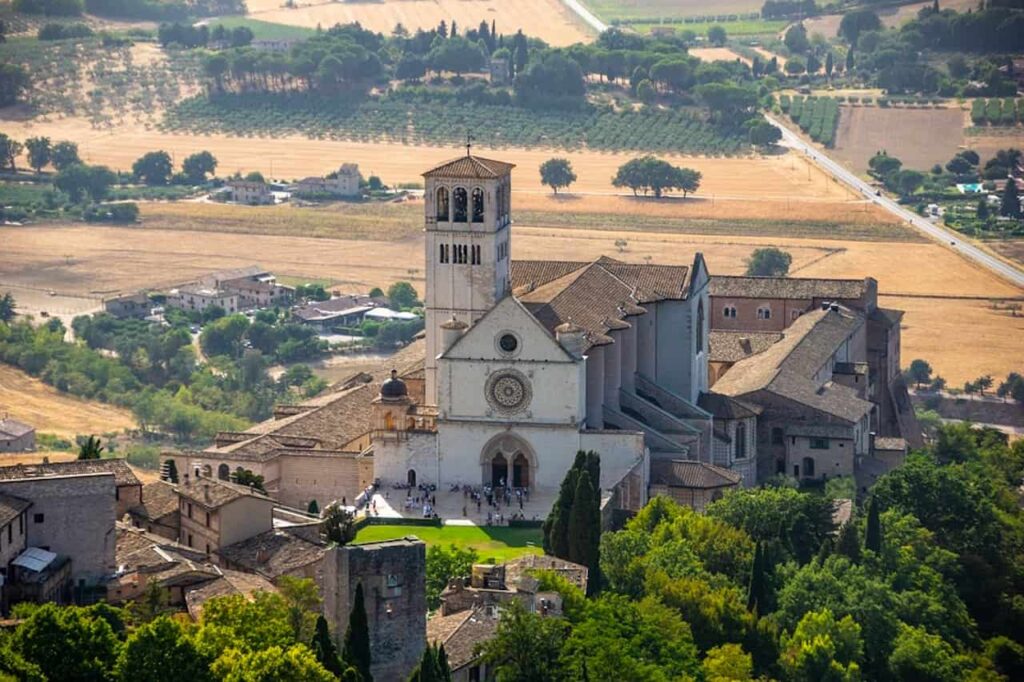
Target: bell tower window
{"x":461,"y":205}
{"x":442,"y":204}
{"x":478,"y":205}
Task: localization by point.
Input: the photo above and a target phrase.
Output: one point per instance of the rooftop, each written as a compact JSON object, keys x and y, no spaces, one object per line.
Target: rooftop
{"x":733,"y":346}
{"x":786,"y":287}
{"x":214,"y":493}
{"x":123,"y":474}
{"x":789,"y":366}
{"x":680,"y":473}
{"x":461,"y":632}
{"x":273,"y":553}
{"x":725,"y":407}
{"x":159,"y":498}
{"x":595,"y":296}
{"x":14,"y":428}
{"x":470,"y":167}
{"x":10,"y":507}
{"x":228,"y":584}
{"x":887,"y":443}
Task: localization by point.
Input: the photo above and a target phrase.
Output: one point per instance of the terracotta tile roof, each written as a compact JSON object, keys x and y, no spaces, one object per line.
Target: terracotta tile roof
{"x":159,"y":498}
{"x":888,"y":443}
{"x":468,"y":166}
{"x":521,"y":566}
{"x":228,"y":584}
{"x":273,"y":553}
{"x":785,"y":287}
{"x":461,"y":632}
{"x":597,"y":296}
{"x":213,"y":493}
{"x":123,"y":474}
{"x":725,"y":407}
{"x":10,"y":507}
{"x":732,"y":346}
{"x":14,"y":428}
{"x":533,"y":273}
{"x":679,"y":473}
{"x":788,"y":367}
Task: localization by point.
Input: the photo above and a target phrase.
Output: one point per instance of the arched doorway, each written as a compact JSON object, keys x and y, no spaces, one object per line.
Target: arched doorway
{"x":508,"y":460}
{"x":499,"y":470}
{"x":223,"y":472}
{"x":410,"y":478}
{"x":520,"y":471}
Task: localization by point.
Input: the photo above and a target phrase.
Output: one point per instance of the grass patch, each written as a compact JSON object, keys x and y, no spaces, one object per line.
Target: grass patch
{"x":746,"y":27}
{"x":265,"y":30}
{"x":609,"y":10}
{"x":498,"y":542}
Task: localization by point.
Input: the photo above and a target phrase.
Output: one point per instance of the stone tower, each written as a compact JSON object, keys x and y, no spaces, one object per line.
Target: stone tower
{"x":468,"y":246}
{"x":393,"y":575}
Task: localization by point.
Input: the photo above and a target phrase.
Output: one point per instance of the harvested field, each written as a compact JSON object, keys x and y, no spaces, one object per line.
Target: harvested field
{"x":919,"y":137}
{"x":713,"y":54}
{"x":50,"y":411}
{"x":987,"y":141}
{"x":769,"y":55}
{"x":892,"y":17}
{"x":936,"y":322}
{"x":548,"y":20}
{"x":1012,"y":249}
{"x":779,"y":177}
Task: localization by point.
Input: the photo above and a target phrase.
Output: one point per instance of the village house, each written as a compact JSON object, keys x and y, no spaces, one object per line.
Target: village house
{"x":345,"y":182}
{"x":157,"y":511}
{"x":214,"y":513}
{"x":335,"y":313}
{"x":13,"y":538}
{"x":133,"y":306}
{"x":250,"y":192}
{"x":295,"y":551}
{"x":197,"y":297}
{"x":16,"y":436}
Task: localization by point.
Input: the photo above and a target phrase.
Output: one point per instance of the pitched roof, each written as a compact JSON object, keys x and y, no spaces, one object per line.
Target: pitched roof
{"x":595,"y":296}
{"x":214,"y":493}
{"x":470,"y":167}
{"x":14,"y":428}
{"x":573,"y":572}
{"x":725,"y":407}
{"x":159,"y":498}
{"x":733,"y":346}
{"x":785,"y":287}
{"x":10,"y":507}
{"x":889,"y":443}
{"x":273,"y":553}
{"x":123,"y":474}
{"x":789,"y":366}
{"x":680,"y":473}
{"x":461,"y":632}
{"x":229,"y":583}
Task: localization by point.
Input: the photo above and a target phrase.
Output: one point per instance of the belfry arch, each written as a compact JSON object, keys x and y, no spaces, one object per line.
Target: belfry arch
{"x":508,"y":460}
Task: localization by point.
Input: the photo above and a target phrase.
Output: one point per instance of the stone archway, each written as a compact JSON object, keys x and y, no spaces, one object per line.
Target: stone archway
{"x":508,"y":460}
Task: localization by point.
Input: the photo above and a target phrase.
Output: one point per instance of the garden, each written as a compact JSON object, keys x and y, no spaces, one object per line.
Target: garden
{"x":997,"y":112}
{"x":816,"y":116}
{"x":500,"y":543}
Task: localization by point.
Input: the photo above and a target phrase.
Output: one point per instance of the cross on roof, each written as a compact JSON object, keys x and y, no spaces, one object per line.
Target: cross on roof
{"x":469,"y":143}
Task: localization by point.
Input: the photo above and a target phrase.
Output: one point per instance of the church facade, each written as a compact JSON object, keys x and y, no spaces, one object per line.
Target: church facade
{"x":528,"y":362}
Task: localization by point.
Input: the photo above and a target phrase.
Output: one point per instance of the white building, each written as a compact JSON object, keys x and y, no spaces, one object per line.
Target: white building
{"x":343,"y":183}
{"x":199,"y":297}
{"x":251,"y":192}
{"x":529,"y":362}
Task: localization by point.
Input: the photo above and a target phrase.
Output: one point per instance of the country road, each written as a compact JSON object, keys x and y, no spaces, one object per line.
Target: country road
{"x":946,"y":237}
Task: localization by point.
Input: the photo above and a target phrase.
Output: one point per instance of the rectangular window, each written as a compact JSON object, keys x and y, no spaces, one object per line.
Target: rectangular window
{"x":207,"y":519}
{"x":819,"y":444}
{"x":38,"y":518}
{"x":190,"y":539}
{"x":190,"y":510}
{"x":476,"y":254}
{"x":443,"y":253}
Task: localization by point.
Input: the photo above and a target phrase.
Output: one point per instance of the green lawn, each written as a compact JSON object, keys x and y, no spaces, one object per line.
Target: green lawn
{"x":498,"y":543}
{"x":266,"y":30}
{"x":732,"y":28}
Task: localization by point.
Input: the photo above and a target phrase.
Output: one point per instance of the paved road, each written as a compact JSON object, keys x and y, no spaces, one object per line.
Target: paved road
{"x":947,"y":238}
{"x":586,"y":15}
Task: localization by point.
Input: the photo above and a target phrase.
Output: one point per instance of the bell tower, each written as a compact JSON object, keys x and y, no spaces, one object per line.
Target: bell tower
{"x":467,"y":204}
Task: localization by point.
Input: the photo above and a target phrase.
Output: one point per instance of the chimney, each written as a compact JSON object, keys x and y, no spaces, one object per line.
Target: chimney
{"x":571,"y":337}
{"x":451,"y":331}
{"x":834,"y":307}
{"x":871,"y":443}
{"x":825,"y":305}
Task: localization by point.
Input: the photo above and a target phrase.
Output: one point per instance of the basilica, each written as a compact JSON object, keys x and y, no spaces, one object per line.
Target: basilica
{"x":686,"y":384}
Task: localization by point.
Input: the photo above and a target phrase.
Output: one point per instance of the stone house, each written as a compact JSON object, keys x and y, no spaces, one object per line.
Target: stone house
{"x":691,"y":484}
{"x":157,"y":511}
{"x":16,"y":436}
{"x":393,"y":578}
{"x":294,"y":551}
{"x":250,"y":192}
{"x":13,"y":537}
{"x":198,"y":297}
{"x":216,"y":513}
{"x":342,"y":183}
{"x":135,"y":306}
{"x":257,"y":292}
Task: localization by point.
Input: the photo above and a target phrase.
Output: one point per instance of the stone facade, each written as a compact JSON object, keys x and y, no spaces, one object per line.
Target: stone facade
{"x":215,"y":514}
{"x":16,"y":436}
{"x":393,"y":576}
{"x":74,"y":516}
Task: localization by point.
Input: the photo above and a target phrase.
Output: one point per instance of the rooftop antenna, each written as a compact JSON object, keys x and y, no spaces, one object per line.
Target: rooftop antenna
{"x":469,"y":143}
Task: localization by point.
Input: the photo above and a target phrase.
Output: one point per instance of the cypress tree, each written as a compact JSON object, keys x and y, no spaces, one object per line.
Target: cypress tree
{"x":873,"y":535}
{"x":1010,"y":205}
{"x":356,"y":650}
{"x":443,"y":668}
{"x":849,"y":59}
{"x":325,"y":650}
{"x":556,"y":527}
{"x":582,"y":532}
{"x":848,"y":543}
{"x":756,"y":590}
{"x":828,"y":65}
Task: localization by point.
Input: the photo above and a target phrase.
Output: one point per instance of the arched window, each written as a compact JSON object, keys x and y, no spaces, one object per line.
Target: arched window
{"x":729,"y":311}
{"x":808,"y":465}
{"x":741,"y":442}
{"x":223,"y":472}
{"x":500,"y":195}
{"x":506,"y":202}
{"x":700,"y":326}
{"x":442,"y":204}
{"x":410,"y":478}
{"x":764,"y":313}
{"x":478,"y":205}
{"x":461,"y":201}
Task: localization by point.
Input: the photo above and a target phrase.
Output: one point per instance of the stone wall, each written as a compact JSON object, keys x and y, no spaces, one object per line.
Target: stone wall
{"x":393,"y":576}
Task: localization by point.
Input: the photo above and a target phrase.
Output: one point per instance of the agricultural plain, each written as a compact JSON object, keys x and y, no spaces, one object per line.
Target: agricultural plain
{"x":608,"y":10}
{"x":918,"y":137}
{"x":548,"y":20}
{"x":945,"y":297}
